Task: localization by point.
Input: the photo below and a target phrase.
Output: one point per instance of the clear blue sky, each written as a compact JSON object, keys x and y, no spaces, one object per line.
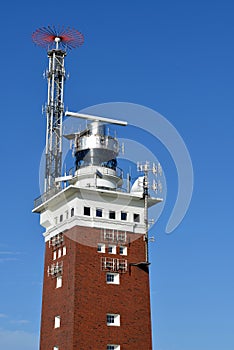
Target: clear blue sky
{"x":176,"y":57}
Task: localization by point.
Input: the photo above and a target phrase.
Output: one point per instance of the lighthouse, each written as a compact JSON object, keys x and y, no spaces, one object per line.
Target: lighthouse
{"x":96,"y":292}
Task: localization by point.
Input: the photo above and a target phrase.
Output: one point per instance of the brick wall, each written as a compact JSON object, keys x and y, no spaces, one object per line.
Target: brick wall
{"x":85,"y":298}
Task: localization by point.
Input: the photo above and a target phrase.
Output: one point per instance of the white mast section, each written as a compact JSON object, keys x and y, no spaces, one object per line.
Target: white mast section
{"x":54,"y":114}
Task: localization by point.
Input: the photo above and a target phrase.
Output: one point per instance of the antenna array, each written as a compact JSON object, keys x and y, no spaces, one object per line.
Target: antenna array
{"x":57,"y":41}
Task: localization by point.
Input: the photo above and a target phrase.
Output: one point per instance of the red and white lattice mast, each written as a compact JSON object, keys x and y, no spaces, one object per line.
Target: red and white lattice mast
{"x":57,"y":42}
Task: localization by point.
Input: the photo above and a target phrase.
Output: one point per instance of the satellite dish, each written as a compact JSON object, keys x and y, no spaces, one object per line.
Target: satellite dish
{"x":137,"y":187}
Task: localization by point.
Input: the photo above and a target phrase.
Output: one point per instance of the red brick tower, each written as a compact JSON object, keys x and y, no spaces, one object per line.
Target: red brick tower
{"x":96,"y":278}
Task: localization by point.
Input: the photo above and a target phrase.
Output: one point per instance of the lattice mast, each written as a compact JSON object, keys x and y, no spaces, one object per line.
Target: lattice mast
{"x":57,"y":42}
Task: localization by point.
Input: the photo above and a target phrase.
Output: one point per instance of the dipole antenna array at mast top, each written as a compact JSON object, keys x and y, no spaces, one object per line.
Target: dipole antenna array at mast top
{"x":57,"y":41}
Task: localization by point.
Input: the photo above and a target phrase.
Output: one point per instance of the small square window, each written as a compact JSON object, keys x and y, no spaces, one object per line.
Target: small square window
{"x":112,"y":249}
{"x":111,"y":214}
{"x":113,"y":320}
{"x":122,"y":250}
{"x":57,"y":322}
{"x":101,"y":248}
{"x":64,"y":250}
{"x":59,"y":282}
{"x":99,"y":213}
{"x":87,"y":211}
{"x":123,"y":215}
{"x":54,"y":255}
{"x":72,"y":212}
{"x":112,"y":278}
{"x":136,"y":217}
{"x":113,"y":347}
{"x":61,"y":218}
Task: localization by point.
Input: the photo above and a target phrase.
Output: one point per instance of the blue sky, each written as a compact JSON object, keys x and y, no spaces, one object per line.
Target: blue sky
{"x":174,"y":57}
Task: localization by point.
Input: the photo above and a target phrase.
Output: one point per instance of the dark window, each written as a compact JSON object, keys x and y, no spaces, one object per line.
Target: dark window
{"x":72,"y":212}
{"x":136,"y":217}
{"x":111,"y":214}
{"x":61,"y":218}
{"x":87,"y":211}
{"x":110,"y":249}
{"x":123,"y":215}
{"x":109,"y":277}
{"x":110,"y":347}
{"x":121,"y":250}
{"x":99,"y":213}
{"x":110,"y":319}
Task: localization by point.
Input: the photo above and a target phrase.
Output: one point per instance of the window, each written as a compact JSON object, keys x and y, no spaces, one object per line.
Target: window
{"x":101,"y":248}
{"x":122,"y":250}
{"x":59,"y":253}
{"x":56,"y":348}
{"x":61,"y":218}
{"x":136,"y":217}
{"x":54,"y":255}
{"x":57,"y":322}
{"x":112,"y":249}
{"x":87,"y":211}
{"x":72,"y":212}
{"x":59,"y":282}
{"x":99,"y":213}
{"x":66,"y":213}
{"x":123,"y":215}
{"x":112,"y":278}
{"x":111,"y":214}
{"x":113,"y":347}
{"x":113,"y":320}
{"x":64,"y":250}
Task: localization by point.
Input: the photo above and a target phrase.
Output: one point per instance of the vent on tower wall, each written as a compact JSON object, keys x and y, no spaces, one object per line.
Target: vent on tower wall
{"x":114,"y":236}
{"x":56,"y":240}
{"x":111,"y":264}
{"x":55,"y":270}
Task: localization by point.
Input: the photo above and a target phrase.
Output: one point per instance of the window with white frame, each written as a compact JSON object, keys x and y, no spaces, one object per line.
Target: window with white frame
{"x":87,"y":211}
{"x":113,"y":320}
{"x":123,"y":250}
{"x":123,"y":215}
{"x":57,"y":322}
{"x":56,"y":348}
{"x":111,"y":249}
{"x":112,"y":278}
{"x":61,"y":218}
{"x":72,"y":212}
{"x":111,"y":214}
{"x":59,"y":282}
{"x":136,"y":217}
{"x":54,"y":255}
{"x":113,"y":347}
{"x":99,"y":212}
{"x":101,"y":248}
{"x":64,"y":250}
